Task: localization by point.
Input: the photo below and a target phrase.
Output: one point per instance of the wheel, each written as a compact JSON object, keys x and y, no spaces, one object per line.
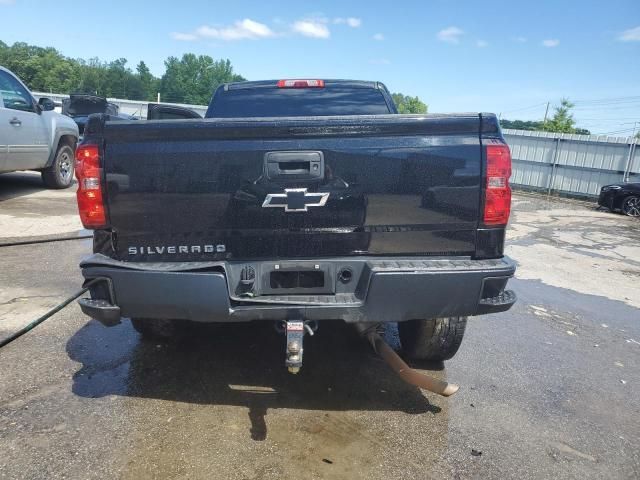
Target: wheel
{"x":60,"y":173}
{"x":155,"y":329}
{"x":434,"y":339}
{"x":631,"y":206}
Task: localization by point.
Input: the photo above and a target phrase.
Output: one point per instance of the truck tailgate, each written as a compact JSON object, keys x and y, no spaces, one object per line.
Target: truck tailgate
{"x":293,"y":187}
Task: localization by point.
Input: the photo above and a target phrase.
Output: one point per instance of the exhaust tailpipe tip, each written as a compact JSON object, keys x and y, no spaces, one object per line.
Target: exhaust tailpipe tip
{"x":404,"y":371}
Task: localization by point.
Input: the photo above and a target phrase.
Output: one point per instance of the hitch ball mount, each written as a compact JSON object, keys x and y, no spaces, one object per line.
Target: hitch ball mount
{"x":295,"y":330}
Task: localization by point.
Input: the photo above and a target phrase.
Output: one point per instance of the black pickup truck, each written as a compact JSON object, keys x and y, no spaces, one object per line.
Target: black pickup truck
{"x":297,"y":201}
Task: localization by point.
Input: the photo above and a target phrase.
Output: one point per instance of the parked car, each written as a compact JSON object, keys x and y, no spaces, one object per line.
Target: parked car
{"x":33,"y":136}
{"x":621,"y":197}
{"x":297,"y":201}
{"x":80,"y":106}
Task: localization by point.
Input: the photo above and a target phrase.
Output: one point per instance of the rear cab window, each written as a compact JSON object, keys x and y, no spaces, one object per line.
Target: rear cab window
{"x":271,"y":101}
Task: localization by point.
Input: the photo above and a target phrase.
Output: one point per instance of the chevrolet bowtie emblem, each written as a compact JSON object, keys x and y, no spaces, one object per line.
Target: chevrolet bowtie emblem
{"x":296,"y":200}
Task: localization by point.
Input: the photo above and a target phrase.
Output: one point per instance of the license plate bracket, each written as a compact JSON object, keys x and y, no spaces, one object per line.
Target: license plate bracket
{"x":298,"y":278}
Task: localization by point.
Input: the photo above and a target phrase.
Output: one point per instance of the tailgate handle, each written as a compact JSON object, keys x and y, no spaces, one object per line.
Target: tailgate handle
{"x":294,"y":165}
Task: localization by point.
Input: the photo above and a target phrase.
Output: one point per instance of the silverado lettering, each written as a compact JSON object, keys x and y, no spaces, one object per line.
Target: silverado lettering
{"x":151,"y":250}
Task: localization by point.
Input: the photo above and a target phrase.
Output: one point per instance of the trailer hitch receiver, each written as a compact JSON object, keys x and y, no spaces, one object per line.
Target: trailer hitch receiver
{"x":295,"y":336}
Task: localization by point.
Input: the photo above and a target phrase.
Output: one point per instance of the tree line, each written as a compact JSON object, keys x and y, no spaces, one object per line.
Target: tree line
{"x":407,"y":104}
{"x":562,"y":121}
{"x":190,"y":79}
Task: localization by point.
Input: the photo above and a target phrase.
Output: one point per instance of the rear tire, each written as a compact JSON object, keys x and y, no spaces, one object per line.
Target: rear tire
{"x":433,"y":339}
{"x":60,"y":173}
{"x":631,"y":206}
{"x":155,"y":329}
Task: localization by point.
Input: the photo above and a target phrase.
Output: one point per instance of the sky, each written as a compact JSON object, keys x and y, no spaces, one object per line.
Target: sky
{"x":507,"y":57}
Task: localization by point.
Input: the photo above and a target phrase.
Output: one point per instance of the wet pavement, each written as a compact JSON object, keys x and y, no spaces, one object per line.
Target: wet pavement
{"x":550,"y":389}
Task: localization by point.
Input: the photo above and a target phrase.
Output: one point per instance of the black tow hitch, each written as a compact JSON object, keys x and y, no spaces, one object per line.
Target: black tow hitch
{"x":295,"y":330}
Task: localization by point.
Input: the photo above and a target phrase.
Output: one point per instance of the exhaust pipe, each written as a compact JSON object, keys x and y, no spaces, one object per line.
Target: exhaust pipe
{"x":404,"y":371}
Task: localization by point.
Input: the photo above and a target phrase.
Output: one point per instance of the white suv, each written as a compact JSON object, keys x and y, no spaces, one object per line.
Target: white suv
{"x":33,"y":136}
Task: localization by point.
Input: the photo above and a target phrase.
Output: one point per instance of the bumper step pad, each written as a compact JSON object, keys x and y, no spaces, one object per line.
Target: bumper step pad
{"x":499,"y":303}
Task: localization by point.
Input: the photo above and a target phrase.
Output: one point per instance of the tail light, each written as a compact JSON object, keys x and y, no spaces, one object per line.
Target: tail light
{"x":300,"y":83}
{"x":497,"y":203}
{"x":89,"y":194}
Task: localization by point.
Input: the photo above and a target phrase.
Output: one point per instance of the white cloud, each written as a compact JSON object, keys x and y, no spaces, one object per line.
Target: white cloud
{"x":482,"y":44}
{"x":550,"y":43}
{"x":314,"y":28}
{"x":450,"y":35}
{"x":379,"y":37}
{"x":184,"y":37}
{"x":520,"y":39}
{"x":379,"y":61}
{"x":7,"y":2}
{"x":351,"y":21}
{"x":631,"y":35}
{"x":240,"y":30}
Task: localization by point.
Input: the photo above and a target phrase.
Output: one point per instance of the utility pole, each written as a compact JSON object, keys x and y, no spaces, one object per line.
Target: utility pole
{"x":546,"y":112}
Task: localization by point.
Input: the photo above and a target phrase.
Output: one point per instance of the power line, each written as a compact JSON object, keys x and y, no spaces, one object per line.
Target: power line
{"x":595,"y":108}
{"x":630,"y":100}
{"x":628,"y":105}
{"x":610,"y":119}
{"x":596,"y":122}
{"x":619,"y":131}
{"x":608,"y":99}
{"x":526,"y":108}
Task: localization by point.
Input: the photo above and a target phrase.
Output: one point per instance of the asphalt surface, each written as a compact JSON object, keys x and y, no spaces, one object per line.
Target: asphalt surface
{"x":550,"y":389}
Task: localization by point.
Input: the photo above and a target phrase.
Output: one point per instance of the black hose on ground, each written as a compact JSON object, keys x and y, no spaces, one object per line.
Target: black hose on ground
{"x":50,"y":313}
{"x":44,"y":240}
